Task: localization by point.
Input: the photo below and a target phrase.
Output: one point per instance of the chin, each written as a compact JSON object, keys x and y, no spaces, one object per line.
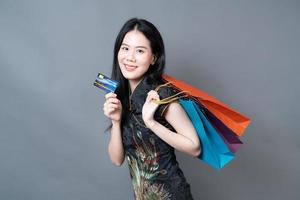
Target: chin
{"x":131,"y":75}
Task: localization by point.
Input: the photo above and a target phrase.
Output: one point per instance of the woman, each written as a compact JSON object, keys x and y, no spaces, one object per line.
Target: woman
{"x":142,"y":131}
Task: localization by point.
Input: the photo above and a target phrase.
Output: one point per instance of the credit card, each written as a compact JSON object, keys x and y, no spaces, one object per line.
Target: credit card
{"x":105,"y":83}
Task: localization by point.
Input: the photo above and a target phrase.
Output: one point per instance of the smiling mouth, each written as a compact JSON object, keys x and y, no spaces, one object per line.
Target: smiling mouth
{"x":130,"y":67}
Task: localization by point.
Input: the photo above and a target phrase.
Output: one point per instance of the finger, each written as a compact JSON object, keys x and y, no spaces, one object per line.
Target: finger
{"x":153,"y":93}
{"x":152,"y":96}
{"x":116,"y":106}
{"x":148,"y":99}
{"x":111,"y":105}
{"x":109,"y":95}
{"x":110,"y":111}
{"x":113,"y":100}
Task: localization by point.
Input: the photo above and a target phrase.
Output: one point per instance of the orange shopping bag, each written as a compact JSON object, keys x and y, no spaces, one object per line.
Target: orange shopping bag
{"x":231,"y":118}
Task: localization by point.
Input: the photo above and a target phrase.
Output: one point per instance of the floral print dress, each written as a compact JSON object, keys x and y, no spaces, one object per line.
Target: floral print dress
{"x":153,"y":168}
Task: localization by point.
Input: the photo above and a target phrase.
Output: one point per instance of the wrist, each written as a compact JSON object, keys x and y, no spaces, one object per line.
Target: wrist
{"x":116,"y":123}
{"x":150,"y":123}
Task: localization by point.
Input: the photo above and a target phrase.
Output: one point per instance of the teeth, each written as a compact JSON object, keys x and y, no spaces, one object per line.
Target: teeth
{"x":130,"y":66}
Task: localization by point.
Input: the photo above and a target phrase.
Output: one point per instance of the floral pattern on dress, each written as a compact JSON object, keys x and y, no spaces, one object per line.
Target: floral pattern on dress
{"x":144,"y":169}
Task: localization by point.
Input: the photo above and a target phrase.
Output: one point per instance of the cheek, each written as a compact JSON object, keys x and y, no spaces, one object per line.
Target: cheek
{"x":145,"y":60}
{"x":120,"y":56}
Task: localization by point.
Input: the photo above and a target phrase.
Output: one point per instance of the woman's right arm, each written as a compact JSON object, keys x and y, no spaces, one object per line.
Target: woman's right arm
{"x":115,"y":146}
{"x":113,"y":109}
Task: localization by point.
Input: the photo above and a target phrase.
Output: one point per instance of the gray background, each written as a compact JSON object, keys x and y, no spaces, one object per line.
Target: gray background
{"x":52,"y":144}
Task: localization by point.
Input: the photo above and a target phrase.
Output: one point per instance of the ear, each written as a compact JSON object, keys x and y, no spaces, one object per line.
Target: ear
{"x":153,"y":60}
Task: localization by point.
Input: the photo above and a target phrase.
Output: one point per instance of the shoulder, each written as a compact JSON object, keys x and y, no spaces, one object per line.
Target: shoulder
{"x":167,"y":94}
{"x":166,"y":91}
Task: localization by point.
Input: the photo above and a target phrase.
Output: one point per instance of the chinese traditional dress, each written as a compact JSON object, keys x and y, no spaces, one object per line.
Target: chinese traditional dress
{"x":153,"y":167}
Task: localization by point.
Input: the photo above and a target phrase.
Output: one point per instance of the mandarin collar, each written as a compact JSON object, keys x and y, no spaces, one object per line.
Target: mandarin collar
{"x":139,"y":95}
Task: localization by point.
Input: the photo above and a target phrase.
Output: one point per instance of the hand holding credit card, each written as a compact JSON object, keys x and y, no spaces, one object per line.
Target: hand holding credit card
{"x":105,"y":83}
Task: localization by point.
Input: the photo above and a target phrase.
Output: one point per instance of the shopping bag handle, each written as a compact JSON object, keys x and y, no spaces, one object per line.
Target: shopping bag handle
{"x":172,"y":97}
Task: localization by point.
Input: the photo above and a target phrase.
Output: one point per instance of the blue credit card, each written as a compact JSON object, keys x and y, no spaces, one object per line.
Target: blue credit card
{"x":105,"y":83}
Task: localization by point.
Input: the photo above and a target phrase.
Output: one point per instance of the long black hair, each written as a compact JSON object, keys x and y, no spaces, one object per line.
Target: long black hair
{"x":154,"y":72}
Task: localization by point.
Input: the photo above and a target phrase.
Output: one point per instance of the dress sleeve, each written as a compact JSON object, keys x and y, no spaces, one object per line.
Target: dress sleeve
{"x":164,"y":92}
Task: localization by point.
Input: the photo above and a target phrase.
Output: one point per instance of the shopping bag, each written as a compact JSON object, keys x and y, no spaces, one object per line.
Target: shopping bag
{"x":229,"y":117}
{"x":233,"y":142}
{"x":214,"y":151}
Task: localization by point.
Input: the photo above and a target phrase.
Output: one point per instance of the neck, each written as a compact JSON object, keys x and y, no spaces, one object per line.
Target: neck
{"x":134,"y":83}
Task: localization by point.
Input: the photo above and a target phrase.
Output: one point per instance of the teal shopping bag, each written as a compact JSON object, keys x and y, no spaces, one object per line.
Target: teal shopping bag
{"x":214,"y":151}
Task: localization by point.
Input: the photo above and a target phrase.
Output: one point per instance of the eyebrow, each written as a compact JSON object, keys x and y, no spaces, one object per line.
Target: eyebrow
{"x":135,"y":47}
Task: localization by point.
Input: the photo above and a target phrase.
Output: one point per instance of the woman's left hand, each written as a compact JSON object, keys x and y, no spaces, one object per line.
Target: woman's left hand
{"x":150,"y":107}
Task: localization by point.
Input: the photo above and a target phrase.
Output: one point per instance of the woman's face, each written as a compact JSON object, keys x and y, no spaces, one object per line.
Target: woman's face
{"x":135,"y":56}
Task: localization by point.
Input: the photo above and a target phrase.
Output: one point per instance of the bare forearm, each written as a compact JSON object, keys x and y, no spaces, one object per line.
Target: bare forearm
{"x":176,"y":140}
{"x":115,"y":146}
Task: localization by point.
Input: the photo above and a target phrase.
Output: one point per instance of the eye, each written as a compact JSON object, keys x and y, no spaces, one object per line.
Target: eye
{"x":140,"y":51}
{"x":124,"y":48}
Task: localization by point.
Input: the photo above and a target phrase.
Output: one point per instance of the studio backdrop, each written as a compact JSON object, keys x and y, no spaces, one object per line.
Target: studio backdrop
{"x":52,"y":140}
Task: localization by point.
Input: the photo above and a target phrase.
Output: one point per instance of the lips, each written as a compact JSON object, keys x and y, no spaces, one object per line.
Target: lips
{"x":130,"y":67}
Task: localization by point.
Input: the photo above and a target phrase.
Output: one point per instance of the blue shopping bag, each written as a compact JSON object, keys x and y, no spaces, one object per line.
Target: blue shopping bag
{"x":214,"y":151}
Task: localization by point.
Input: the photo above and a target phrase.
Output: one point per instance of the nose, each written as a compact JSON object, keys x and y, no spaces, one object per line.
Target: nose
{"x":130,"y":57}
